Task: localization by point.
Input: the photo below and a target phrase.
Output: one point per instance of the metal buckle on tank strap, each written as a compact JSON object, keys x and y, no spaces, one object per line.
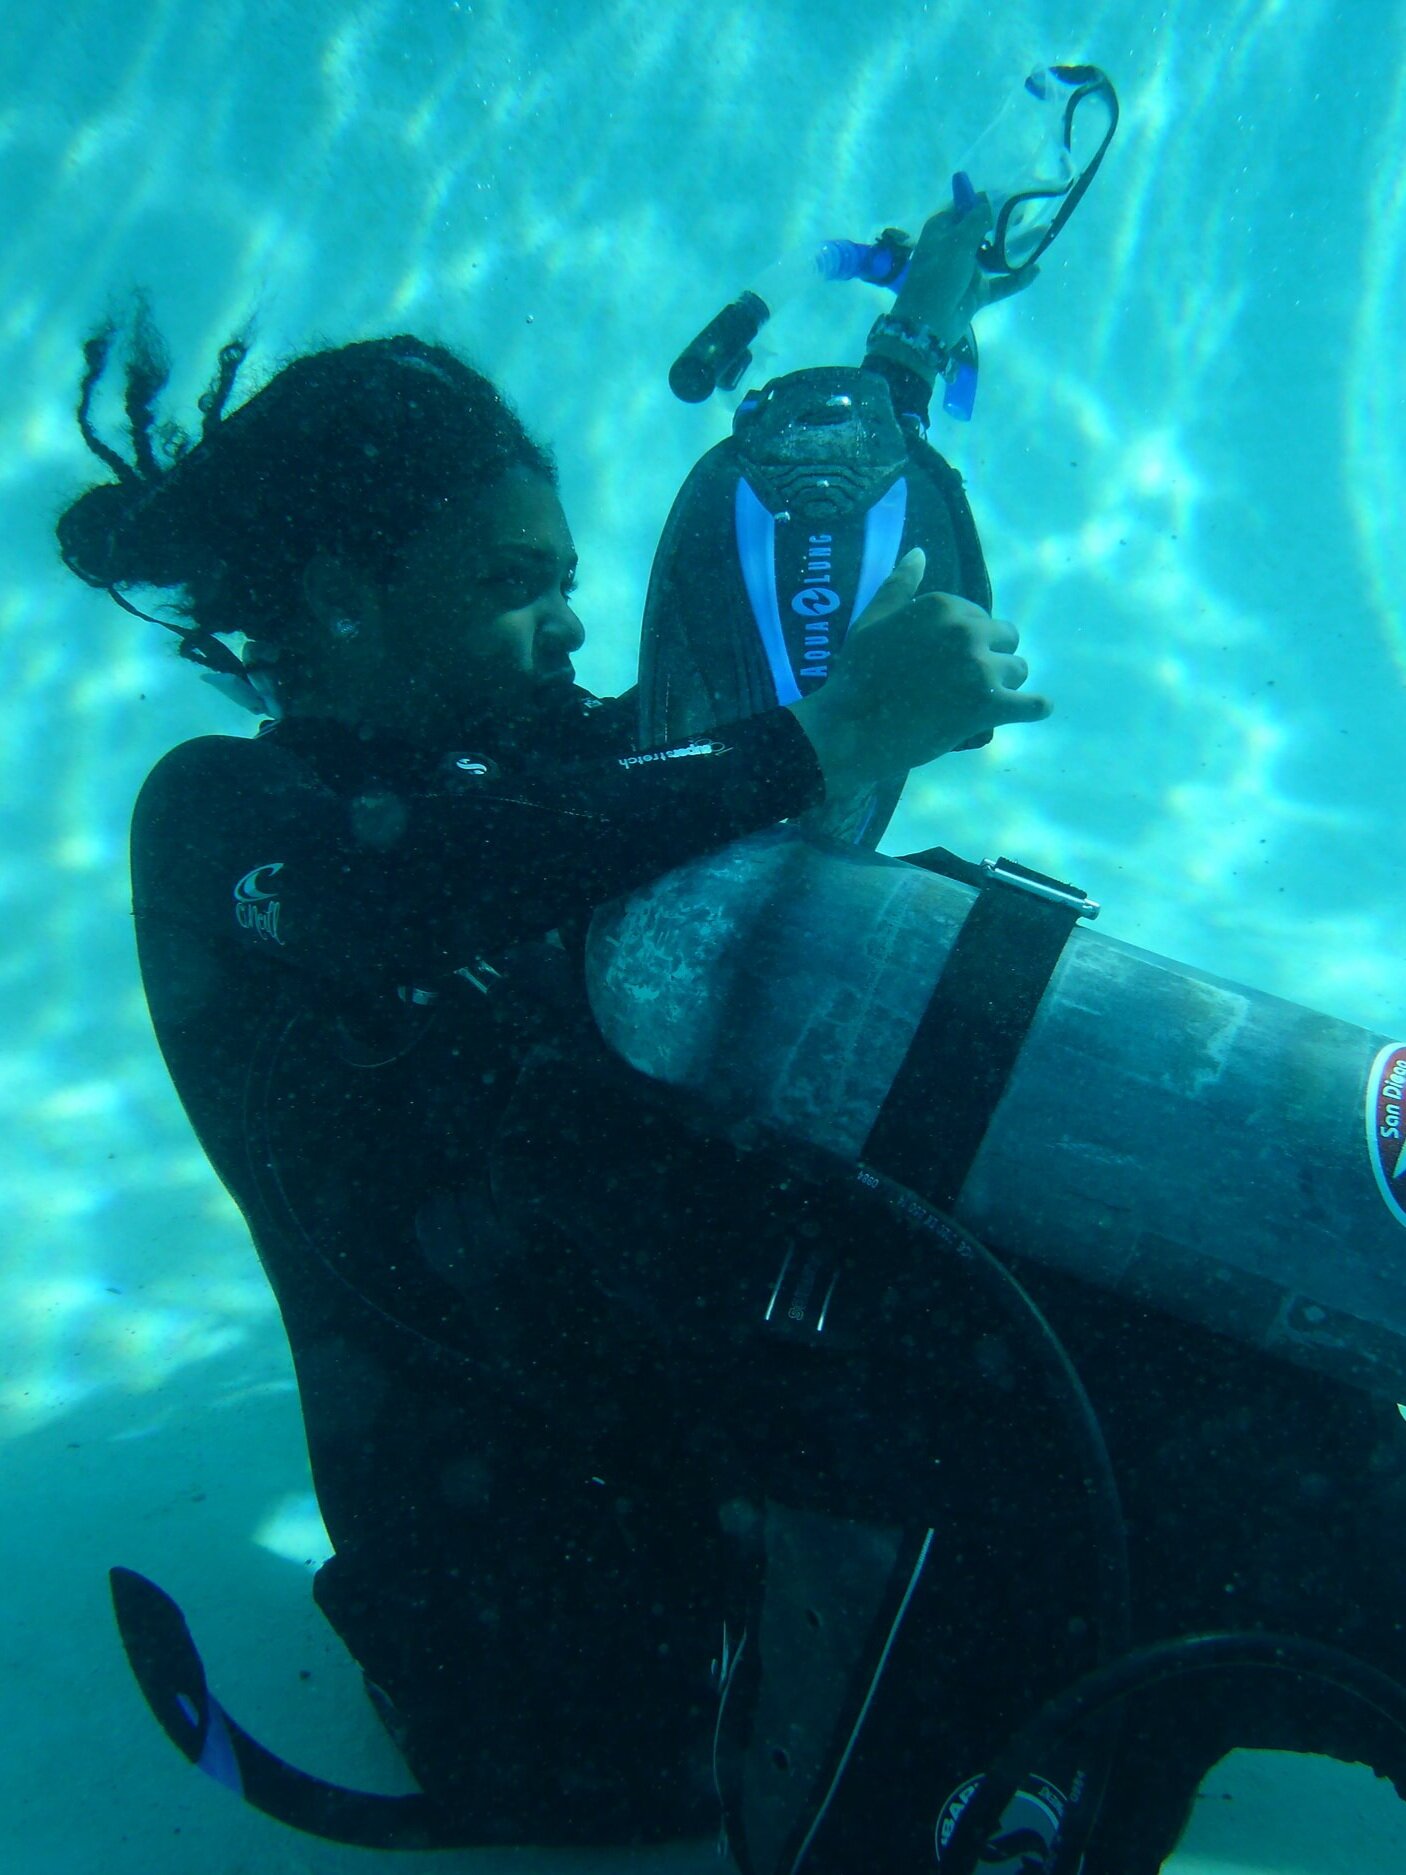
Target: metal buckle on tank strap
{"x":936,"y":1113}
{"x":1009,"y":872}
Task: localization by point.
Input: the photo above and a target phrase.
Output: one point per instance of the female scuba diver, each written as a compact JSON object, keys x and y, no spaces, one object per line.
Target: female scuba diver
{"x":550,"y":1481}
{"x":351,"y":928}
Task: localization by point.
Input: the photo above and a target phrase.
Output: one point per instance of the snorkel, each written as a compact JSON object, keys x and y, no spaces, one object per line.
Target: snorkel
{"x":1032,"y":165}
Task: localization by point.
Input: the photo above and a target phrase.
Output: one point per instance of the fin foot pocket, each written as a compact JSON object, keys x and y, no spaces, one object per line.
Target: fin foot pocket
{"x":169,"y":1670}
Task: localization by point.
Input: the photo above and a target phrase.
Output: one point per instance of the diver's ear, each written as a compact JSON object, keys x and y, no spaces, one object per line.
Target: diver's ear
{"x":342,"y":601}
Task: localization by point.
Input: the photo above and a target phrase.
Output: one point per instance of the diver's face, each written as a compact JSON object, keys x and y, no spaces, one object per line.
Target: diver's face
{"x":478,"y":620}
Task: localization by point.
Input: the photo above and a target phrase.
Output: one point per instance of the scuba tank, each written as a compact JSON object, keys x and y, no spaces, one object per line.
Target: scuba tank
{"x":997,"y":1078}
{"x":1180,"y":1140}
{"x":1183,"y":1141}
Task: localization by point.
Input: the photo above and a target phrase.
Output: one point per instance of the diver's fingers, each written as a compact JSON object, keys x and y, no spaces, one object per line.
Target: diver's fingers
{"x":986,"y":636}
{"x":1020,"y":706}
{"x":1002,"y":636}
{"x":897,"y":590}
{"x":970,"y":228}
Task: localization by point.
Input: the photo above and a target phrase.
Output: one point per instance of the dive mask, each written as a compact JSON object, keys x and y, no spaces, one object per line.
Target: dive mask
{"x":1037,"y":158}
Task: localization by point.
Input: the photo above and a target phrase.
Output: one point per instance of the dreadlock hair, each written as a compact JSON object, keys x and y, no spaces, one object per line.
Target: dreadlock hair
{"x":350,"y":451}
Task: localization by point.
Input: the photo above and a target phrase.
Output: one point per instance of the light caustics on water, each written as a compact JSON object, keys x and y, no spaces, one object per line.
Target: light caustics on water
{"x":418,"y":173}
{"x":1374,"y":409}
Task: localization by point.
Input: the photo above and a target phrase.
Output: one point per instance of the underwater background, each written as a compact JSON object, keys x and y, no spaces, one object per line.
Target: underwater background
{"x":1188,"y":463}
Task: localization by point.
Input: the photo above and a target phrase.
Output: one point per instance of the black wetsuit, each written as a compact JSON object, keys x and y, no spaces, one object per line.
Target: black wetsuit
{"x":344,"y":944}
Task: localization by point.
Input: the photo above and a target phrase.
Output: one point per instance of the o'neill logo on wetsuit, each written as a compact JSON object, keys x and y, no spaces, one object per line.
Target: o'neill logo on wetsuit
{"x":673,"y":755}
{"x":1386,"y":1126}
{"x":256,"y":909}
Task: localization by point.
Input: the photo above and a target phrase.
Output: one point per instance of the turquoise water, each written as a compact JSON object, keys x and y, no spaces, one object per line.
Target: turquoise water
{"x":1189,"y":466}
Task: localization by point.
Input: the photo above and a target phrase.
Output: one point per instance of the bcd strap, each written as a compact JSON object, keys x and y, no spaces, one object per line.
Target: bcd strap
{"x":935,"y":1115}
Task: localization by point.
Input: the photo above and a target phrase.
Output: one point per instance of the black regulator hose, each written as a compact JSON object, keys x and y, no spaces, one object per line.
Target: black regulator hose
{"x":1063,"y":1388}
{"x":1135,"y":1672}
{"x":1051,"y":1363}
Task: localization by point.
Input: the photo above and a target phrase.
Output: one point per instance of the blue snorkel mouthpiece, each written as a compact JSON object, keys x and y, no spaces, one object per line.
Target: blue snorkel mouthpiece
{"x":881,"y":263}
{"x":963,"y":364}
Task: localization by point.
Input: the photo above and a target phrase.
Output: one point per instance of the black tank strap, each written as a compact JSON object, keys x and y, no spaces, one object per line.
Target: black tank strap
{"x":935,"y":1115}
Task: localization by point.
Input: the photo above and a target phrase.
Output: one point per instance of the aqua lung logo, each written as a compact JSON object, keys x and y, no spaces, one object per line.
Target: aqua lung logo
{"x":1025,"y":1835}
{"x":256,"y":909}
{"x":1386,"y":1126}
{"x":815,"y":602}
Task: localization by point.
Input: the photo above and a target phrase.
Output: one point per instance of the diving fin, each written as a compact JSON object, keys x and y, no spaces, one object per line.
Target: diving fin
{"x":171,"y":1675}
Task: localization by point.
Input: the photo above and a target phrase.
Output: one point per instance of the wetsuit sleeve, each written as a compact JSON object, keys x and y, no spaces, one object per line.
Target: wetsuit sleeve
{"x":242,"y":842}
{"x":545,"y":846}
{"x":911,"y":395}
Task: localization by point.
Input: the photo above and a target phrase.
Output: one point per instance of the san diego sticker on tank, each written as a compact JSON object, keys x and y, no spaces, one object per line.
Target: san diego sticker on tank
{"x":1386,"y":1126}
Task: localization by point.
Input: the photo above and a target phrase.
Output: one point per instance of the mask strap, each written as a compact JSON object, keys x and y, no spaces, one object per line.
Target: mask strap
{"x":218,"y":664}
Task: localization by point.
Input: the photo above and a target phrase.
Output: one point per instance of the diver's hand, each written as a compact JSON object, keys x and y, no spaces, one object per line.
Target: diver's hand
{"x":946,"y":285}
{"x":916,"y":678}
